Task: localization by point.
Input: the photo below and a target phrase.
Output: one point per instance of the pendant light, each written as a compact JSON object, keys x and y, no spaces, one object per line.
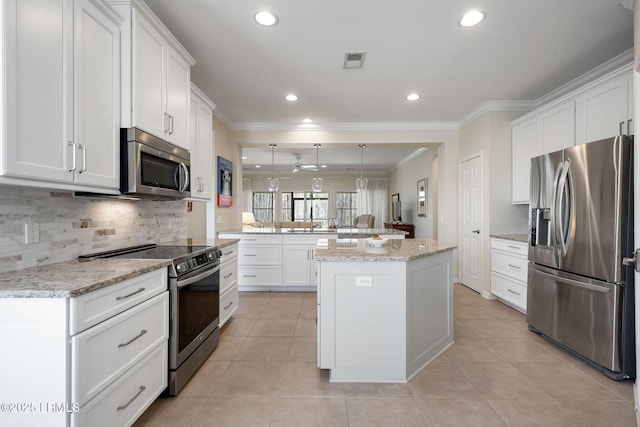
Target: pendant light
{"x":361,"y":183}
{"x":272,"y":182}
{"x":316,"y":183}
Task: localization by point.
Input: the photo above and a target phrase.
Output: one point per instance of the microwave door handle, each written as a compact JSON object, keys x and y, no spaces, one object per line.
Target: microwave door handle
{"x":185,"y":169}
{"x":177,"y":179}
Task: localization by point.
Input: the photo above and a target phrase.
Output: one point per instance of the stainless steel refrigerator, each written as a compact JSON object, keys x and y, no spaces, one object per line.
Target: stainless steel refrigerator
{"x":580,"y":294}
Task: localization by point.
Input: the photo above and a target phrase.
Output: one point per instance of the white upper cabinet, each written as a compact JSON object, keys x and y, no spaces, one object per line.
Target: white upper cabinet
{"x":604,"y":111}
{"x":62,"y":97}
{"x":156,"y":75}
{"x":202,"y":140}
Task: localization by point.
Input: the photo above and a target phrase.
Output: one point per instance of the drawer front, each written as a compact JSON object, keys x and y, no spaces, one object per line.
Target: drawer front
{"x":509,"y":265}
{"x":94,"y":307}
{"x":305,"y":239}
{"x":509,"y":290}
{"x":260,"y":255}
{"x":228,"y":304}
{"x":127,"y":398}
{"x":228,"y":253}
{"x":101,"y":354}
{"x":254,"y":239}
{"x":511,"y":246}
{"x":259,"y":276}
{"x":228,"y":275}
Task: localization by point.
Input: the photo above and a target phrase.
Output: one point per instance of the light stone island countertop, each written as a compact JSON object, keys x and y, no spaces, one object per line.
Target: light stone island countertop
{"x":391,"y":250}
{"x":72,"y":278}
{"x":515,"y":237}
{"x":203,"y":241}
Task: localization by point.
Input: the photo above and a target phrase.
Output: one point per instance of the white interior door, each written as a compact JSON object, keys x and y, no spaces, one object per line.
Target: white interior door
{"x":470,"y":219}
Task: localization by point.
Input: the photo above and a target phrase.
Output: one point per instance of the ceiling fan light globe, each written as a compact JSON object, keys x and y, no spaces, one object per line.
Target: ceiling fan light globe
{"x":361,"y":184}
{"x":273,"y":184}
{"x":316,"y":184}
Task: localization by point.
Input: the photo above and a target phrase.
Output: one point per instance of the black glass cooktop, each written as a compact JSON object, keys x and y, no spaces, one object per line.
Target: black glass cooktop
{"x":149,"y":252}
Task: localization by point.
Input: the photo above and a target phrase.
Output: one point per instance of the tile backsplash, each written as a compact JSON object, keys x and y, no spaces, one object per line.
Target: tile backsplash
{"x":71,"y":226}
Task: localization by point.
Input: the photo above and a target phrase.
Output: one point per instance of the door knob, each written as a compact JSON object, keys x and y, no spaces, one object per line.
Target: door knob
{"x":476,"y":231}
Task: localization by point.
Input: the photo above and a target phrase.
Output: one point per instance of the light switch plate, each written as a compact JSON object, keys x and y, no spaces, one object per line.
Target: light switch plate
{"x":364,"y":281}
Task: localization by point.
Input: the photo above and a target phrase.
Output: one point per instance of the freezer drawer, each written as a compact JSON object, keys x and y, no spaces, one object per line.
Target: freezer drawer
{"x":582,"y":314}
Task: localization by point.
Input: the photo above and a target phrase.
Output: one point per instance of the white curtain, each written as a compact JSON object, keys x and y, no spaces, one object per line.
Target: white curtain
{"x":374,"y":200}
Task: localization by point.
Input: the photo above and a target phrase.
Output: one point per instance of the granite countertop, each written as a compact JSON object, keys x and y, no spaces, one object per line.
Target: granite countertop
{"x":515,"y":237}
{"x":351,"y":231}
{"x":391,"y":250}
{"x":219,"y":243}
{"x":72,"y":278}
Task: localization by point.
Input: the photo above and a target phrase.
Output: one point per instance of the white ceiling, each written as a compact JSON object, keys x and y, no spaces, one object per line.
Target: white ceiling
{"x":522,"y":51}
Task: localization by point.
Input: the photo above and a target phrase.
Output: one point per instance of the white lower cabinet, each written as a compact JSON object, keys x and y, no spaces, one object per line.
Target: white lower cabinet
{"x":509,"y":272}
{"x":228,"y":282}
{"x":97,"y":359}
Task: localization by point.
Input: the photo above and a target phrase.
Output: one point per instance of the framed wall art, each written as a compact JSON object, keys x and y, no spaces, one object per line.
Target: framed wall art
{"x":225,"y":176}
{"x":422,"y":197}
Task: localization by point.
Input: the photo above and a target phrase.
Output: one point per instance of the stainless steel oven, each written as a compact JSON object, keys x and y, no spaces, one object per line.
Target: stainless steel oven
{"x":194,"y":316}
{"x":194,"y":304}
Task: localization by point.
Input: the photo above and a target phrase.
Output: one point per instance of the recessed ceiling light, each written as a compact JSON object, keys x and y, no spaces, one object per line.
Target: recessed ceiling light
{"x":323,"y":166}
{"x":266,"y":18}
{"x":471,"y":18}
{"x":307,"y":120}
{"x":258,"y":166}
{"x":412,"y":97}
{"x":244,"y":157}
{"x":291,"y":97}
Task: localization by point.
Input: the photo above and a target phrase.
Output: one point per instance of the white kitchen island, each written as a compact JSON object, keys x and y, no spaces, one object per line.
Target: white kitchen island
{"x":386,"y":312}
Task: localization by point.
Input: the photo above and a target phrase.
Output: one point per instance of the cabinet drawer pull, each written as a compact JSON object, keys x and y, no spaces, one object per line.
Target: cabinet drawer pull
{"x":250,"y":254}
{"x":513,"y":292}
{"x":142,"y":332}
{"x":84,"y":157}
{"x":249,"y":275}
{"x":227,"y":253}
{"x":229,"y":305}
{"x":514,"y":266}
{"x":252,"y":240}
{"x":515,"y":247}
{"x":130,"y":295}
{"x":73,"y":158}
{"x":126,"y":405}
{"x":226,"y":276}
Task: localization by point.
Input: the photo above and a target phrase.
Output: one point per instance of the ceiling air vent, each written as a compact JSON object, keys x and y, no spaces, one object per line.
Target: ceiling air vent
{"x":354,"y":59}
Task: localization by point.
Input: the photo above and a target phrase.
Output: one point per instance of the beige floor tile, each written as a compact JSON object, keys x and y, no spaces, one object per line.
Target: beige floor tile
{"x":304,"y":379}
{"x":603,"y":414}
{"x":472,"y":312}
{"x":399,"y":391}
{"x":273,"y":328}
{"x":455,"y":413}
{"x":309,"y":308}
{"x":227,"y":347}
{"x":303,"y":349}
{"x":274,"y":349}
{"x":623,"y":389}
{"x":564,"y":383}
{"x":251,"y":379}
{"x":310,"y":412}
{"x":206,"y":379}
{"x":443,"y":380}
{"x":498,"y":328}
{"x":473,"y":350}
{"x":517,"y":413}
{"x":172,"y":411}
{"x":522,"y":350}
{"x":282,"y":308}
{"x":461,"y":328}
{"x":380,"y":412}
{"x":238,"y":327}
{"x":238,"y":411}
{"x":306,"y":328}
{"x":502,"y":381}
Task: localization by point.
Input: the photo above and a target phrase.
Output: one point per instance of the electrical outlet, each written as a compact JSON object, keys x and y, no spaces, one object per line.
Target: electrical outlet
{"x":364,"y":281}
{"x":31,"y":233}
{"x":219,"y":219}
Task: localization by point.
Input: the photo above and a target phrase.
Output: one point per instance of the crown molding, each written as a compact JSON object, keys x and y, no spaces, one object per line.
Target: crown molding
{"x":355,"y":126}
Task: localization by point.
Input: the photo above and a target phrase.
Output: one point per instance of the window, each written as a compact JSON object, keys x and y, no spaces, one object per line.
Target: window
{"x":264,"y":206}
{"x":346,"y":209}
{"x":302,"y":206}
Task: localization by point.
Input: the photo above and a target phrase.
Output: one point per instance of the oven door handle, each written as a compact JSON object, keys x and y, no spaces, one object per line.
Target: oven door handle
{"x":191,"y":280}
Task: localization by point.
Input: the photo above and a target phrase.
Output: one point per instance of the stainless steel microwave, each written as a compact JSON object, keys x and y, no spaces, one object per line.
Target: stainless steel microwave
{"x":152,"y":168}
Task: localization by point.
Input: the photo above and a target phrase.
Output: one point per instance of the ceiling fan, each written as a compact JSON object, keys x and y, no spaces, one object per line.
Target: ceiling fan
{"x":297,"y":167}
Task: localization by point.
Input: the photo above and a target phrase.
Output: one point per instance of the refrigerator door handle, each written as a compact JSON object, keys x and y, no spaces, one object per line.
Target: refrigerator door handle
{"x":589,"y":286}
{"x":565,"y":207}
{"x":555,"y":213}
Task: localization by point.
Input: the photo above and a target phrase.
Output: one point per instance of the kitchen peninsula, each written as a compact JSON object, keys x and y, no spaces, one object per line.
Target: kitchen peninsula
{"x":276,"y":259}
{"x":384,"y":311}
